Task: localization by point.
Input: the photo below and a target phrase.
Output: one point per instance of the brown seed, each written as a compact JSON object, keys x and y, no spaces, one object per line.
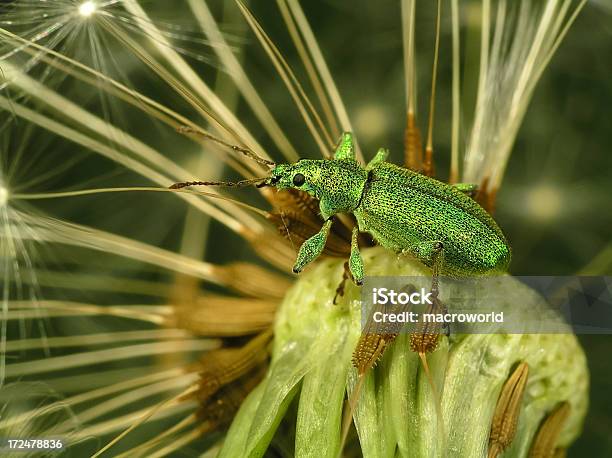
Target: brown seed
{"x":225,"y":316}
{"x":423,"y":342}
{"x":485,"y":196}
{"x":429,"y":168}
{"x":413,"y":148}
{"x":220,"y":408}
{"x":426,"y":337}
{"x":224,"y":366}
{"x":505,"y":418}
{"x":253,"y":280}
{"x":544,"y":444}
{"x":369,"y":350}
{"x":374,"y":340}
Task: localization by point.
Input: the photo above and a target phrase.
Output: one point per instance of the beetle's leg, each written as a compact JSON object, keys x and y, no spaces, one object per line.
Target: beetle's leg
{"x":437,"y":262}
{"x":346,"y":273}
{"x":312,"y":247}
{"x":353,"y":268}
{"x":437,"y":258}
{"x":381,"y":156}
{"x":467,"y":188}
{"x":355,"y":261}
{"x":430,"y":253}
{"x":345,"y":148}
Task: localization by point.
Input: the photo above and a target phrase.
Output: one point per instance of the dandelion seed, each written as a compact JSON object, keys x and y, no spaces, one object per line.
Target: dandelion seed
{"x":525,"y":36}
{"x":505,"y":419}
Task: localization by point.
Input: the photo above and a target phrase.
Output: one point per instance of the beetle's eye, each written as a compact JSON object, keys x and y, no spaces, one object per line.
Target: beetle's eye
{"x":298,"y":179}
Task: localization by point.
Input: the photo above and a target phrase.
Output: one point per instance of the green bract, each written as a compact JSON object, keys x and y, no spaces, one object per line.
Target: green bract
{"x":396,"y":413}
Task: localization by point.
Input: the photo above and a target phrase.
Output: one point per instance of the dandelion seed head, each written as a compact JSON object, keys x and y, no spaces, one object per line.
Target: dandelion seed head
{"x":86,"y":9}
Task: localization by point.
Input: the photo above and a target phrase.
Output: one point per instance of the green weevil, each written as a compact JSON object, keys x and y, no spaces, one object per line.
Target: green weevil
{"x":404,"y":211}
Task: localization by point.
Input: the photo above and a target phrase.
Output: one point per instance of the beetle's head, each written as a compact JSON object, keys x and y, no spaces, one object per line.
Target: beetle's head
{"x":337,"y":184}
{"x":301,"y":175}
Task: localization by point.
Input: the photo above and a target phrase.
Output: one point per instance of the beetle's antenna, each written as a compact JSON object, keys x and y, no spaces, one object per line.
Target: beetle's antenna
{"x":184,"y":184}
{"x":247,"y":152}
{"x":428,"y":165}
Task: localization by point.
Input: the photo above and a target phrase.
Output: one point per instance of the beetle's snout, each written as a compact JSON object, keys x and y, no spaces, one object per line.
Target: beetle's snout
{"x":271,"y":181}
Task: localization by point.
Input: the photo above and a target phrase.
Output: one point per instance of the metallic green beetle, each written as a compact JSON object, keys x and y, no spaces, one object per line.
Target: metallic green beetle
{"x":407,"y":212}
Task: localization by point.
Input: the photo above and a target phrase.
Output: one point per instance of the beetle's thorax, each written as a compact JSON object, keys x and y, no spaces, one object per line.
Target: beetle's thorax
{"x":337,"y":184}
